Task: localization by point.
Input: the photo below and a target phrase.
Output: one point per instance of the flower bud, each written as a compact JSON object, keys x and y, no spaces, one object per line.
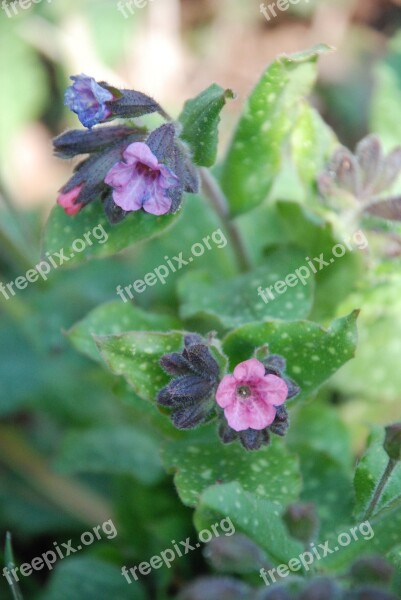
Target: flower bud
{"x":321,"y":589}
{"x":234,"y":554}
{"x":369,"y":593}
{"x":216,"y":588}
{"x":194,"y":374}
{"x":277,"y":592}
{"x":84,"y":141}
{"x":68,"y":200}
{"x":96,"y":101}
{"x":302,"y":521}
{"x":392,"y":442}
{"x":373,"y":569}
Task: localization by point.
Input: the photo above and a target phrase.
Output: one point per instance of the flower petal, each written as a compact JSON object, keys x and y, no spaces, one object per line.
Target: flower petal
{"x":249,"y":370}
{"x":140,"y":152}
{"x":237,"y":416}
{"x":119,"y":175}
{"x":226,"y":393}
{"x":132,"y":196}
{"x":272,"y":390}
{"x":155,"y":202}
{"x":100,"y":93}
{"x":260,"y":415}
{"x":68,"y":200}
{"x":252,"y":413}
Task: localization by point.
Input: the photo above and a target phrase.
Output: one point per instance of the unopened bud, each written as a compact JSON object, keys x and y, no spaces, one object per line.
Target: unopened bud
{"x":369,"y":593}
{"x":321,"y":589}
{"x":234,"y":554}
{"x":392,"y":442}
{"x":302,"y":521}
{"x":372,"y":569}
{"x":216,"y":588}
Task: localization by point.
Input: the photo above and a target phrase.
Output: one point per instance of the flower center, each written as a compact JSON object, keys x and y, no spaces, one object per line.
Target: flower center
{"x":146,"y":171}
{"x":244,"y":391}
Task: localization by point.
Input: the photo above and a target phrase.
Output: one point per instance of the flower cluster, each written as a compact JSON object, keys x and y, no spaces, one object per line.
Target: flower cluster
{"x":249,"y":404}
{"x":190,"y":393}
{"x":128,"y":168}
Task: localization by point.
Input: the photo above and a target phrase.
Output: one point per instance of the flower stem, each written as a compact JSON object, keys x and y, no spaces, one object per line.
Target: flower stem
{"x":75,"y":499}
{"x":380,"y":488}
{"x":10,"y":564}
{"x":219,"y":202}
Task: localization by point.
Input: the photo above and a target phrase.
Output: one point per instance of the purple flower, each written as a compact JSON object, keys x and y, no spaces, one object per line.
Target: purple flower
{"x":140,"y":181}
{"x":88,"y":100}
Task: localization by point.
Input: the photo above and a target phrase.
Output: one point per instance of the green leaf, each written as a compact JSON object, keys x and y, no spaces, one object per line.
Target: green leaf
{"x":90,"y":578}
{"x":313,"y":354}
{"x":236,"y":301}
{"x":317,"y":237}
{"x":103,"y":239}
{"x":118,"y":449}
{"x":112,"y":318}
{"x":323,"y":444}
{"x":200,"y":464}
{"x":250,"y":514}
{"x":256,"y":152}
{"x":313,"y":143}
{"x":327,"y":484}
{"x":377,"y":536}
{"x":200,"y":119}
{"x":368,"y":474}
{"x":375,"y":371}
{"x":307,"y":424}
{"x":136,"y":355}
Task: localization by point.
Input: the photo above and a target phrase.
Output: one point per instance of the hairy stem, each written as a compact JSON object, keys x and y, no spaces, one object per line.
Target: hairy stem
{"x":69,"y":495}
{"x":380,"y":488}
{"x":220,"y":204}
{"x":10,"y":564}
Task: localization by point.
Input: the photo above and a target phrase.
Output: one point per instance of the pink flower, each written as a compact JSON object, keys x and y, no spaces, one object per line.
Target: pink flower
{"x":141,"y":181}
{"x":249,"y":397}
{"x":68,"y":200}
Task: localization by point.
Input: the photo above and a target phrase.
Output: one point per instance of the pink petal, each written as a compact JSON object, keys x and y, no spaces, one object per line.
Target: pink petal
{"x":73,"y":210}
{"x":68,"y":198}
{"x":249,"y":370}
{"x":272,"y":389}
{"x":158,"y":203}
{"x":119,"y":175}
{"x":247,"y":414}
{"x":237,"y":416}
{"x":260,"y":415}
{"x":140,"y":152}
{"x":131,"y":197}
{"x":226,"y":393}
